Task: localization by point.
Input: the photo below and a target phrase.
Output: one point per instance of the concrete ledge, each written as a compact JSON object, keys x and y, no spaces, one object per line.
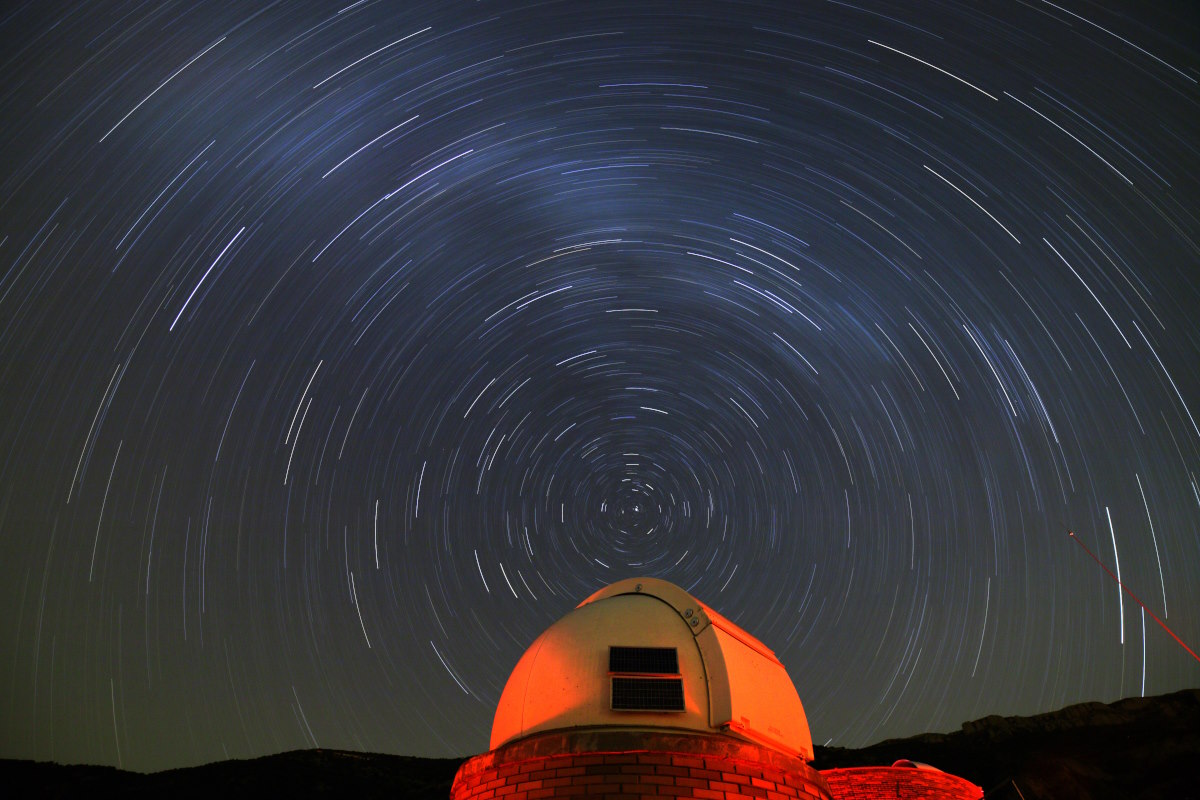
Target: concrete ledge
{"x":876,"y":783}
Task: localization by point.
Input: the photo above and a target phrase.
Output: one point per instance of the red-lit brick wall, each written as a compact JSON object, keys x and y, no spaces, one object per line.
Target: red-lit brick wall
{"x":633,"y":775}
{"x":906,"y":783}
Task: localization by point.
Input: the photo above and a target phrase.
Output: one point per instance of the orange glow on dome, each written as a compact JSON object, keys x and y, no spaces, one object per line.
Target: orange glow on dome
{"x":732,"y":683}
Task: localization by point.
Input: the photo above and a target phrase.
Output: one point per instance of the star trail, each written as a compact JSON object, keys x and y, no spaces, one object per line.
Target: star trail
{"x":346,"y":347}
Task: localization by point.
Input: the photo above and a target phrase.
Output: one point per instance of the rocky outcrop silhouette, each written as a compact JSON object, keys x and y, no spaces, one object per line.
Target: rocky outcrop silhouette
{"x":1133,"y":748}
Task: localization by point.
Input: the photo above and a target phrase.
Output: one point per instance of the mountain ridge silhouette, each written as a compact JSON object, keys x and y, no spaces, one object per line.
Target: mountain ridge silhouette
{"x":1133,"y":748}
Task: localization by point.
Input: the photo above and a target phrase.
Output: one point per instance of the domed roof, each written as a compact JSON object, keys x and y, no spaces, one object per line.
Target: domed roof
{"x":643,"y":653}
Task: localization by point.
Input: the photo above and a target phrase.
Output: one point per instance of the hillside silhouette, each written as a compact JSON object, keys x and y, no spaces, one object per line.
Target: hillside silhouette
{"x":1133,"y":748}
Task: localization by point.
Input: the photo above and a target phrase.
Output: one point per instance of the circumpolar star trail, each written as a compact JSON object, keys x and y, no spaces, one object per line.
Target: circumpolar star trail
{"x":317,"y":322}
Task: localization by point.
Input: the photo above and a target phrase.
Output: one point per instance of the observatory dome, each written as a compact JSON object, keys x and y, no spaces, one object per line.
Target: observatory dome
{"x":643,"y":654}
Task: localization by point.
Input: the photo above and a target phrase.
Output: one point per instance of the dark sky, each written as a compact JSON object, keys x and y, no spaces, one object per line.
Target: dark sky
{"x":345,"y":348}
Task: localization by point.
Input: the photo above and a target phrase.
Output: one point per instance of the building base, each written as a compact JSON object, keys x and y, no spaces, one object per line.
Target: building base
{"x":634,"y":764}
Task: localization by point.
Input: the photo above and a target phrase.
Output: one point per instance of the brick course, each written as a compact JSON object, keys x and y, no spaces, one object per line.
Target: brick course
{"x":704,"y":767}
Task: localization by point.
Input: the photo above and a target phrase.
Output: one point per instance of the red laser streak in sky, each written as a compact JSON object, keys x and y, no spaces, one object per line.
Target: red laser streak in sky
{"x":1191,"y":652}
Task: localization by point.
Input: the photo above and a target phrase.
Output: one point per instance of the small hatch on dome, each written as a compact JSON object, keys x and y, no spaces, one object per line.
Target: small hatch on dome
{"x":647,"y":694}
{"x":645,"y":679}
{"x":646,"y":660}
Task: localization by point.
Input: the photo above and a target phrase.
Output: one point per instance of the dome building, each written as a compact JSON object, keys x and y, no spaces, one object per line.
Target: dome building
{"x":644,"y":690}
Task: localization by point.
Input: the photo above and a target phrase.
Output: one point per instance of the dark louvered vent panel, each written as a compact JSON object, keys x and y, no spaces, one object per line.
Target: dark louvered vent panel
{"x":652,"y":660}
{"x":647,"y":694}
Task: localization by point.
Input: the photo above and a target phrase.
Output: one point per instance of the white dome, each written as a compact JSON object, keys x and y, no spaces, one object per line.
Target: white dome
{"x":643,"y":653}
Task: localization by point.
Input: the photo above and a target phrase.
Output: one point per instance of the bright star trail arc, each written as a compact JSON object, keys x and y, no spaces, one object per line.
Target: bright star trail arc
{"x":345,"y":348}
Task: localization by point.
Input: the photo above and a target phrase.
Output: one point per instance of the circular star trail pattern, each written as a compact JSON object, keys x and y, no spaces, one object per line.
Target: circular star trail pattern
{"x":345,"y":348}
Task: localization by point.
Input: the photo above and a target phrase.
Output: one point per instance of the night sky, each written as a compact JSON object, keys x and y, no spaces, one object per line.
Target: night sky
{"x":347,"y":347}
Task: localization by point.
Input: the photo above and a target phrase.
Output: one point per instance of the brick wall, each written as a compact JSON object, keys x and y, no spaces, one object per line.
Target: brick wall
{"x":632,"y":776}
{"x":890,"y":783}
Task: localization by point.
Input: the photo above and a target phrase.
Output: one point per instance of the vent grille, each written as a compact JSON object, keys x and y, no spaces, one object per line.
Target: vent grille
{"x":644,"y":660}
{"x":647,"y":694}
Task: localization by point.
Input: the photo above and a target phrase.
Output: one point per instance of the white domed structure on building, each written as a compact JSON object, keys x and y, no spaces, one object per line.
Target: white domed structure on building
{"x":645,"y":653}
